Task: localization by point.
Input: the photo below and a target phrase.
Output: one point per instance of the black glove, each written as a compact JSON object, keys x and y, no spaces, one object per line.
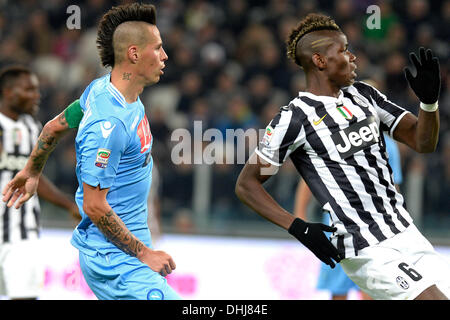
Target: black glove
{"x":312,"y":236}
{"x":427,"y":82}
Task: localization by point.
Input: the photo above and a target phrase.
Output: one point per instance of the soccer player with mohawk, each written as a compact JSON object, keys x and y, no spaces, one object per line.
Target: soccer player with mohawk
{"x":333,"y":133}
{"x":114,"y":162}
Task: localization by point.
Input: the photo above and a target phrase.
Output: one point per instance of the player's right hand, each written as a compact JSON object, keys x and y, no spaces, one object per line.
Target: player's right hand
{"x":313,"y":237}
{"x":20,"y":189}
{"x":158,"y":261}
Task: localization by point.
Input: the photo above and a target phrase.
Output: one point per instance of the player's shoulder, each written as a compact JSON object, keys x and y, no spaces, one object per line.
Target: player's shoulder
{"x":99,"y":92}
{"x":30,"y":120}
{"x":365,"y":89}
{"x":295,"y":110}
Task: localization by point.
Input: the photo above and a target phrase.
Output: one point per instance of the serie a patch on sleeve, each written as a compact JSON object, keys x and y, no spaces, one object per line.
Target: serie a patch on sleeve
{"x":267,"y":136}
{"x":102,"y":158}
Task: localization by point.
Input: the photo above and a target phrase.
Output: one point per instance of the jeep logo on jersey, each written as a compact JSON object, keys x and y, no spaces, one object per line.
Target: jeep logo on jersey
{"x":12,"y":162}
{"x":144,"y":134}
{"x":356,"y":137}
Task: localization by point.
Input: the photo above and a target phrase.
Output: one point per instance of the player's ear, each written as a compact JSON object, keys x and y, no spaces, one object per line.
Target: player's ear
{"x":132,"y":54}
{"x":319,"y":61}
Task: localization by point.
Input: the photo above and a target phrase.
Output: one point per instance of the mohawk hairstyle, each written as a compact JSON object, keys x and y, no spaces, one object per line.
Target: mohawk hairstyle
{"x":312,"y":22}
{"x":112,"y":19}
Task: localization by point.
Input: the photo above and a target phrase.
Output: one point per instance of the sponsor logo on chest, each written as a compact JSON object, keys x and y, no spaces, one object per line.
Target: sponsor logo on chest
{"x":145,"y":135}
{"x":12,"y":162}
{"x":356,"y":137}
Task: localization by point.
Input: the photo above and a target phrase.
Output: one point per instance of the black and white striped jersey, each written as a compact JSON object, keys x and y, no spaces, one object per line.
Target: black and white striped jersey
{"x":337,"y":145}
{"x":17,"y":139}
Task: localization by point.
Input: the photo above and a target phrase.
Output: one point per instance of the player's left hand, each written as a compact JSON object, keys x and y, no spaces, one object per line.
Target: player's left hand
{"x":313,"y":237}
{"x":20,"y":189}
{"x":427,"y":82}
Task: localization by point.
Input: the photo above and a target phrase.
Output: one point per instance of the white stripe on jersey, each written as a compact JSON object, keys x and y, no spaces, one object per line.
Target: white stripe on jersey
{"x":338,"y":147}
{"x":16,"y":141}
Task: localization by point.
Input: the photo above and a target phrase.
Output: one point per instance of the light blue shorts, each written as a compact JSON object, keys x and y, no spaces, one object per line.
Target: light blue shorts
{"x":334,"y":280}
{"x":118,"y":276}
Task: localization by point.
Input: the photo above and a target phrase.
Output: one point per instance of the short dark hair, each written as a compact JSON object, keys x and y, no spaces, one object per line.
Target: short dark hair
{"x":9,"y":74}
{"x":312,"y":22}
{"x":112,"y":19}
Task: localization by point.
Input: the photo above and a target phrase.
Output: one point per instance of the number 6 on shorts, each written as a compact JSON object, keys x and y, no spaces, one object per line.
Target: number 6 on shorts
{"x":413,"y":274}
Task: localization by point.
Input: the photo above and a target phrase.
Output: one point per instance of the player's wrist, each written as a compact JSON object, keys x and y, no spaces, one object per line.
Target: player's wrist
{"x":429,"y":107}
{"x":31,"y":171}
{"x":144,"y":253}
{"x":297,"y":227}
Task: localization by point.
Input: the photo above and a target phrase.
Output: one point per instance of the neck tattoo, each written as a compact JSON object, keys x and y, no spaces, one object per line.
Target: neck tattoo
{"x":126,"y":76}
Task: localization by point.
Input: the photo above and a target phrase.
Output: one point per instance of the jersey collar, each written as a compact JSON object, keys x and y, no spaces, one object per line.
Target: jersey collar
{"x":115,"y":92}
{"x":325,"y":99}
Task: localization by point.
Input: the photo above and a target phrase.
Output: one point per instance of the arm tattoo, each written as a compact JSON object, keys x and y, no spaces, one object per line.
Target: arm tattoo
{"x":62,"y":120}
{"x":47,"y":141}
{"x":115,"y":230}
{"x":45,"y":145}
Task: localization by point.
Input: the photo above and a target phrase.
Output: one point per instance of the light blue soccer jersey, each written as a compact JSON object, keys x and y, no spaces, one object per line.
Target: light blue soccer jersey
{"x":113,"y":148}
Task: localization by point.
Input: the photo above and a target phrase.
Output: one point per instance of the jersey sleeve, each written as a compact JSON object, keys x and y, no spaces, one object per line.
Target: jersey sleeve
{"x":282,"y":136}
{"x":101,"y":147}
{"x":389,"y":113}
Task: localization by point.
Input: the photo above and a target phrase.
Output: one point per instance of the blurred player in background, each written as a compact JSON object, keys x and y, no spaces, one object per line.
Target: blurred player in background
{"x":21,"y":268}
{"x":154,"y":205}
{"x":114,"y":163}
{"x":333,"y":134}
{"x":335,"y":280}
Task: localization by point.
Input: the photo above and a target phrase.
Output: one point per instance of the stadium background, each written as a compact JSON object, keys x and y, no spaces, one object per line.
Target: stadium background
{"x":227,"y":67}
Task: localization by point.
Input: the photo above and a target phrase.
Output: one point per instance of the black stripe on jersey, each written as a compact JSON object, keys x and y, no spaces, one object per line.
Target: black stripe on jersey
{"x":368,"y":183}
{"x":368,"y":186}
{"x":6,"y":224}
{"x":30,"y":130}
{"x":340,"y":244}
{"x":391,"y":194}
{"x":350,"y":193}
{"x":36,"y":216}
{"x":370,"y":189}
{"x":336,"y":171}
{"x":304,"y":166}
{"x":292,"y":131}
{"x":275,"y":120}
{"x":23,"y":230}
{"x":366,"y":110}
{"x":369,"y":92}
{"x":383,"y":127}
